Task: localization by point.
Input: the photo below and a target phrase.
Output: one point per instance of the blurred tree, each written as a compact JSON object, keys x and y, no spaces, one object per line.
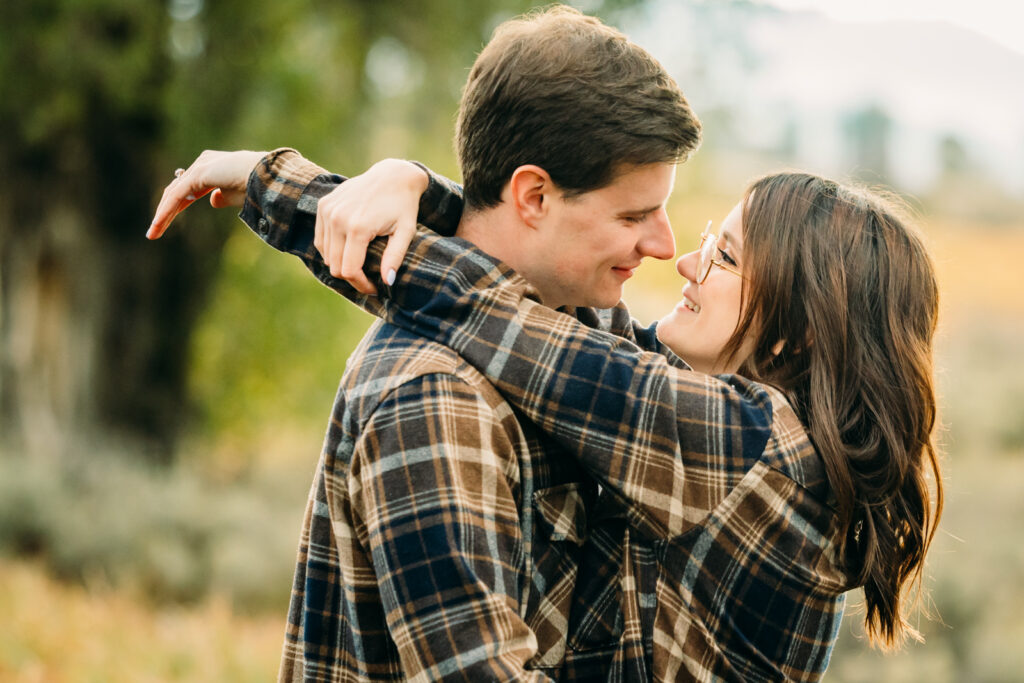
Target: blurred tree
{"x":953,"y":156}
{"x":867,"y":132}
{"x":100,"y":100}
{"x":964,"y":189}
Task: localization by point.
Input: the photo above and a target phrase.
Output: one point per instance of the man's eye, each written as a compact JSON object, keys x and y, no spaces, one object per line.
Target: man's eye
{"x":635,"y":219}
{"x":725,"y":257}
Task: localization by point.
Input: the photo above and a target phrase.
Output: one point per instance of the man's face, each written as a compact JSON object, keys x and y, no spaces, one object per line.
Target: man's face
{"x":591,"y":244}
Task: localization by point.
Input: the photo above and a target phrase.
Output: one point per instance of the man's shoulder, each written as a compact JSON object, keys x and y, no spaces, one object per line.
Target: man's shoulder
{"x":387,"y":350}
{"x":389,"y":357}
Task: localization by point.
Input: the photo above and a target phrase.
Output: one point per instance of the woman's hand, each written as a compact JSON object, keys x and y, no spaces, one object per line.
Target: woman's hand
{"x":222,"y":175}
{"x":382,"y":201}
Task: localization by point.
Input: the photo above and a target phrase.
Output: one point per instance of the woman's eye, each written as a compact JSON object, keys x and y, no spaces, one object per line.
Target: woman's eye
{"x":725,"y":257}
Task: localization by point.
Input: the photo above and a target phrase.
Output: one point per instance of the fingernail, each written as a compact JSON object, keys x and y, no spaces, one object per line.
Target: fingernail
{"x":190,"y":197}
{"x":390,"y":279}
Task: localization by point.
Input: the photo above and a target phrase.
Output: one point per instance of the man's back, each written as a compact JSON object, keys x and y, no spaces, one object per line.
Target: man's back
{"x":442,"y":534}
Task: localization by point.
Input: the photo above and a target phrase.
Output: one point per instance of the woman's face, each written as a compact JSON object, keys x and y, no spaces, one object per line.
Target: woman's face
{"x":698,"y":328}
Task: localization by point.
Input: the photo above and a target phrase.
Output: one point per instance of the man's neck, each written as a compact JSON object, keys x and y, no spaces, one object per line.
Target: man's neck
{"x":496,"y":233}
{"x":492,"y":232}
{"x":505,"y":238}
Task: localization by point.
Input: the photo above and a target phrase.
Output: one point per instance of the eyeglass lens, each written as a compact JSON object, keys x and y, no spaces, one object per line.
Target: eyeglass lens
{"x":707,"y":252}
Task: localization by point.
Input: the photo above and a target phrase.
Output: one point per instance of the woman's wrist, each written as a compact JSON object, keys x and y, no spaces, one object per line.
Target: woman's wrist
{"x":404,"y":174}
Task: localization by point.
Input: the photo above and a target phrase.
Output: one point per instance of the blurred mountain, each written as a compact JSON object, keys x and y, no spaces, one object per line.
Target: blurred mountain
{"x":883,"y":100}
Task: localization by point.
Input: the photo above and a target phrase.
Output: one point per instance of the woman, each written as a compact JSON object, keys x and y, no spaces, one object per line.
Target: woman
{"x":816,"y":305}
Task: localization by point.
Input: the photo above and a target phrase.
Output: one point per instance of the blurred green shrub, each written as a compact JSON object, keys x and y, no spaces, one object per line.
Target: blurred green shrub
{"x":171,"y":535}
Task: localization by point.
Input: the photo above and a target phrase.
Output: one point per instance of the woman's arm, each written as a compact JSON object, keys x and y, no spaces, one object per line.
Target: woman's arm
{"x":621,"y":323}
{"x":292,"y":194}
{"x":282,"y":186}
{"x":671,"y":443}
{"x":284,"y":202}
{"x":285,"y":189}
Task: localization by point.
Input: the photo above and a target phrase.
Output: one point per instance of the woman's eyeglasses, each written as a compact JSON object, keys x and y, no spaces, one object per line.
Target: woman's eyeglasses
{"x":708,"y":246}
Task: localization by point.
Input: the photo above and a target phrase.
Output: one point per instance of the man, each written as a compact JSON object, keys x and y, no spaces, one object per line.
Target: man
{"x":445,"y":537}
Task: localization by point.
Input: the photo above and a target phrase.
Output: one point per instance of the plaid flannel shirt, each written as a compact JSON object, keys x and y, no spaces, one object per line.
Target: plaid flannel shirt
{"x":446,"y":537}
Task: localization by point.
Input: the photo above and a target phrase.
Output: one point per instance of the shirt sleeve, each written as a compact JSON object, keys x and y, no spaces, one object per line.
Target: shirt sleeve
{"x":434,"y":484}
{"x":281,"y":204}
{"x":283,"y":190}
{"x":670,"y":442}
{"x":619,"y":322}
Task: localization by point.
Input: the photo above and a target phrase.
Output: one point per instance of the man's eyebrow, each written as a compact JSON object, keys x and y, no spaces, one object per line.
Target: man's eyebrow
{"x":639,"y":212}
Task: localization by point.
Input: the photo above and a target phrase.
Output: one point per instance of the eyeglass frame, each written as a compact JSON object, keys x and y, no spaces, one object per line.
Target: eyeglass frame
{"x":708,"y":259}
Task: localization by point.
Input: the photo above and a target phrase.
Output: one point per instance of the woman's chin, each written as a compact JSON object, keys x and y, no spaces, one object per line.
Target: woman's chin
{"x":668,"y":332}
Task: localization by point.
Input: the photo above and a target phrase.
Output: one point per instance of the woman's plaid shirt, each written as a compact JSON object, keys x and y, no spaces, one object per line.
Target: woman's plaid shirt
{"x":721,"y":560}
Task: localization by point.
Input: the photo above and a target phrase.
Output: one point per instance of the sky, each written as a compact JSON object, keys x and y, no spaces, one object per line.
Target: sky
{"x":1000,"y":20}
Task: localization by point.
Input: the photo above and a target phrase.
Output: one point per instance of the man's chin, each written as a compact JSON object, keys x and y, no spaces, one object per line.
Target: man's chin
{"x":605,"y":302}
{"x":606,"y":299}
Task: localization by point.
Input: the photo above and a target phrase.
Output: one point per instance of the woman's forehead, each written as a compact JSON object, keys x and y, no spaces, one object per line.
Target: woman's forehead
{"x":732,"y":227}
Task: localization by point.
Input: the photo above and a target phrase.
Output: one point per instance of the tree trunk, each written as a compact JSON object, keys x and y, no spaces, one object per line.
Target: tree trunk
{"x":95,"y":319}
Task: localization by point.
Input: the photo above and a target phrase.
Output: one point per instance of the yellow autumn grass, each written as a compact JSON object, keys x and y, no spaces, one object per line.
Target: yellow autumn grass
{"x":51,"y":632}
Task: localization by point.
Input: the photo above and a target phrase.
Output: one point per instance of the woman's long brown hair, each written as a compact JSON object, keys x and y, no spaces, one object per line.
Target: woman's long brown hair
{"x":840,"y":281}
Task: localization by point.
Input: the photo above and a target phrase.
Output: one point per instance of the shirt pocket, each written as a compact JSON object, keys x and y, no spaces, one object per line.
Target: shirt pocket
{"x":596,"y":619}
{"x":560,"y":532}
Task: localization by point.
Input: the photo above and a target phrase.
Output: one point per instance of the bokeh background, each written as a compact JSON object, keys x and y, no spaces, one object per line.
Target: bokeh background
{"x":162,"y":405}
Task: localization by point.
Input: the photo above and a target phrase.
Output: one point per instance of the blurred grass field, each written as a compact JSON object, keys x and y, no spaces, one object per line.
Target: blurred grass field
{"x":203,"y":556}
{"x":51,"y":632}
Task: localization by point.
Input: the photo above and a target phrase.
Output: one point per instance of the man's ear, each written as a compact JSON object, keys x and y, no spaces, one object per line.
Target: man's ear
{"x":531,"y":191}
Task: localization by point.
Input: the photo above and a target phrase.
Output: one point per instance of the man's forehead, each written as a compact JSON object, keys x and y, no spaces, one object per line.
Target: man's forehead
{"x":647,"y":182}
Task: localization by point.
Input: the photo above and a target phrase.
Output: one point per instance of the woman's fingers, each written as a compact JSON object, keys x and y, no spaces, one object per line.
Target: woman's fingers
{"x":319,"y":232}
{"x":350,"y":265}
{"x":224,"y":199}
{"x":212,"y":170}
{"x":382,"y":201}
{"x":398,"y":245}
{"x":177,"y":197}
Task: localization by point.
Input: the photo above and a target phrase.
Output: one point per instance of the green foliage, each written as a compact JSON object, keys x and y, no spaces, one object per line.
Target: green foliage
{"x":271,"y":346}
{"x":56,"y":57}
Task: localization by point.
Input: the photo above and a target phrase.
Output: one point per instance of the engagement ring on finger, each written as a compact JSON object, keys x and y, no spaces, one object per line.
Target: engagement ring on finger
{"x":178,"y":172}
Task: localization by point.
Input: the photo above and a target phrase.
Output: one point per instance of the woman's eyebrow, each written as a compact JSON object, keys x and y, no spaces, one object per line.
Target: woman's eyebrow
{"x":732,"y":242}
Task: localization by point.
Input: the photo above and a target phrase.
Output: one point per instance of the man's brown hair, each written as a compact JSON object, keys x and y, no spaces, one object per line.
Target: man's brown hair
{"x":563,"y":91}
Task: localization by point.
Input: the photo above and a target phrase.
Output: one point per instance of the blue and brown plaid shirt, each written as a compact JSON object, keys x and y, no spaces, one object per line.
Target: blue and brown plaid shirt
{"x":446,"y":537}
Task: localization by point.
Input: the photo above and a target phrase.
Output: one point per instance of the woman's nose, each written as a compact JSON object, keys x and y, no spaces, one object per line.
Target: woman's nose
{"x":687,"y":265}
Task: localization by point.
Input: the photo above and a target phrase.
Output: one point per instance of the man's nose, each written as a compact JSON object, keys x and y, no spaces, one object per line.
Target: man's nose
{"x":658,"y":241}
